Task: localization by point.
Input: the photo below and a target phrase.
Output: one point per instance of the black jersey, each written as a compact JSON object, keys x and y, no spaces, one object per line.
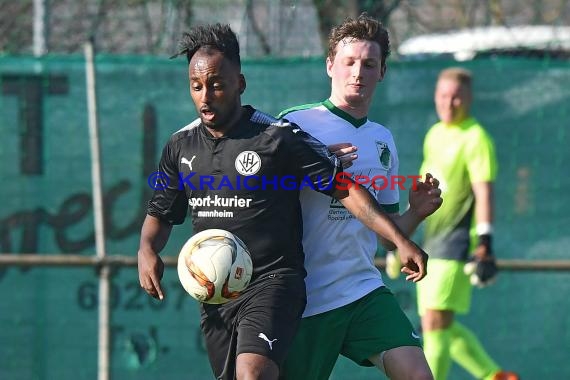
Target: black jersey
{"x":246,"y":182}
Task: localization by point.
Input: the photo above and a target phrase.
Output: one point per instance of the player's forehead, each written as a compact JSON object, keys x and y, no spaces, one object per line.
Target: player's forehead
{"x":350,"y":47}
{"x":209,"y":62}
{"x":449,"y":86}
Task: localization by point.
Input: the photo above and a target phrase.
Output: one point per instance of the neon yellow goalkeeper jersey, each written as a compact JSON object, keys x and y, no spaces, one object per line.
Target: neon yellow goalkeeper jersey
{"x":457,"y":155}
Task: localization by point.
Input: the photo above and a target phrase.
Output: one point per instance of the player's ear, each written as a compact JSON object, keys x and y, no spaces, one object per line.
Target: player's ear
{"x":382,"y":72}
{"x":329,"y":66}
{"x":242,"y":84}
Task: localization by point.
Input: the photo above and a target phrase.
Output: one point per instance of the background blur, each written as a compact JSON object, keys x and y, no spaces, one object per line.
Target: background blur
{"x":48,"y":321}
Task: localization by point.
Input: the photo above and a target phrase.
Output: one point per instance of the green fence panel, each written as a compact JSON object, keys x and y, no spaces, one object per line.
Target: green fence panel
{"x":48,"y":322}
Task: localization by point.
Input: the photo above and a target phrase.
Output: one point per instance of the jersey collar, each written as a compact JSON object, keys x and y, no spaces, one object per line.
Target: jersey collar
{"x":344,"y":115}
{"x":240,"y":127}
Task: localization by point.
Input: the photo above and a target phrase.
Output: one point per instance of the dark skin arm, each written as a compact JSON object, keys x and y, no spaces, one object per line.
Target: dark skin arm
{"x":154,"y":235}
{"x":364,"y":207}
{"x":425,"y":199}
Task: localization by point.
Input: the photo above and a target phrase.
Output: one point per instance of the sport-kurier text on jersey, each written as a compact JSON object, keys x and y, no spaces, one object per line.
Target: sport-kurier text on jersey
{"x":247,"y":183}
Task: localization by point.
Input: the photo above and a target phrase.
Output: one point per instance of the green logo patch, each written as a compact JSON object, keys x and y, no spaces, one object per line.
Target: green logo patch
{"x":384,"y":154}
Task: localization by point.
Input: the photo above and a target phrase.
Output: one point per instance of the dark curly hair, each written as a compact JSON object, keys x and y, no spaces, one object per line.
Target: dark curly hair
{"x":363,"y":27}
{"x":215,"y":36}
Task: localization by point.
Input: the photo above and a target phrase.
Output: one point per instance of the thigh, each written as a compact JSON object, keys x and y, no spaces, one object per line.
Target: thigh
{"x":268,"y":321}
{"x":262,"y":321}
{"x":378,"y":325}
{"x":446,"y":287}
{"x":317,"y":345}
{"x":217,"y":324}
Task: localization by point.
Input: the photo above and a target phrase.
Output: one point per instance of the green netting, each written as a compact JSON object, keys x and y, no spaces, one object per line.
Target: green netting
{"x":48,"y":324}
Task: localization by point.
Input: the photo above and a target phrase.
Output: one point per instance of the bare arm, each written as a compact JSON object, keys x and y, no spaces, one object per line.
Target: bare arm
{"x":406,"y":222}
{"x":364,"y":207}
{"x":484,"y":208}
{"x":425,"y":199}
{"x":154,"y":235}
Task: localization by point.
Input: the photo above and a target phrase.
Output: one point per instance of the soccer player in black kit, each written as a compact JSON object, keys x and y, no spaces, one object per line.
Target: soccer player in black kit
{"x":240,"y":170}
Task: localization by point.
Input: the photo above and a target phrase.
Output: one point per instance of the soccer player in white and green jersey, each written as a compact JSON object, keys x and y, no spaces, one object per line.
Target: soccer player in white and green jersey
{"x":349,"y":310}
{"x":460,"y":153}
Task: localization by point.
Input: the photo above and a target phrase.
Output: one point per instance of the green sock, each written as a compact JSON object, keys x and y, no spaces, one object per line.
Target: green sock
{"x":436,"y":350}
{"x":468,"y":352}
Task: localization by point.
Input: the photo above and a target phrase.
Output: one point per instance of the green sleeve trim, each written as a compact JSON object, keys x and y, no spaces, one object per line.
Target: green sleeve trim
{"x":392,"y":208}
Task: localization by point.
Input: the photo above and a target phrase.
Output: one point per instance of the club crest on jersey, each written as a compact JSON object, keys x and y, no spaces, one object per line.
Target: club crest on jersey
{"x":384,"y":154}
{"x":248,"y":163}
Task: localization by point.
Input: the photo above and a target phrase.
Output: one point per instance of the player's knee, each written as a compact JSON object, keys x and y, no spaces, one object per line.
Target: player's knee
{"x":406,"y":363}
{"x":422,"y":374}
{"x":411,"y":374}
{"x":437,"y":320}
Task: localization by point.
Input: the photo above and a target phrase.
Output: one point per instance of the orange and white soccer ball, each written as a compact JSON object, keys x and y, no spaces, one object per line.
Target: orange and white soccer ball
{"x":214,"y":266}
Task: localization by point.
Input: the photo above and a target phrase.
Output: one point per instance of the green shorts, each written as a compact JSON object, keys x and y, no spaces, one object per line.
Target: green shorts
{"x":446,"y":287}
{"x":368,"y":326}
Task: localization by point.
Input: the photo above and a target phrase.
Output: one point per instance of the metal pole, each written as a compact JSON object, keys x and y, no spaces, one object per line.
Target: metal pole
{"x":40,"y":28}
{"x":78,"y":260}
{"x":104,"y":273}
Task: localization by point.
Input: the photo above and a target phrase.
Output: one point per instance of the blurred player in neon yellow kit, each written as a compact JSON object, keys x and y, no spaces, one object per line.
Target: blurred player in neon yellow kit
{"x":460,"y":153}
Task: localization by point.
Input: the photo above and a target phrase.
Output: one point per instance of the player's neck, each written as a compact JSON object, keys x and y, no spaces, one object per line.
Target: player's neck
{"x":357,"y":111}
{"x":228,"y":127}
{"x":456,"y":121}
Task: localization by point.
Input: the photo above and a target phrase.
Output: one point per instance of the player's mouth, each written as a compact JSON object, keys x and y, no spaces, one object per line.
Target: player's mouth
{"x":207,"y":114}
{"x":357,"y":86}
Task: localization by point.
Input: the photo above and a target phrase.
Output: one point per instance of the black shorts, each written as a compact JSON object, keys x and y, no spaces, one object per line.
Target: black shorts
{"x":263,"y":320}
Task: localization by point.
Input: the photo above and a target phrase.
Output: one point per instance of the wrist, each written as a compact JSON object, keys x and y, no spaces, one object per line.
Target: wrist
{"x":485,"y":240}
{"x":400,"y":240}
{"x":415,"y":216}
{"x":484,"y":228}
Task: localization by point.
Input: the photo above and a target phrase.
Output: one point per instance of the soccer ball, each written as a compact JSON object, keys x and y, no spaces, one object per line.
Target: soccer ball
{"x":214,"y":266}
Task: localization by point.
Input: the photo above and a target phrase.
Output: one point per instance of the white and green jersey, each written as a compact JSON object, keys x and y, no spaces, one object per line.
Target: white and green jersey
{"x":339,"y":250}
{"x":457,"y":155}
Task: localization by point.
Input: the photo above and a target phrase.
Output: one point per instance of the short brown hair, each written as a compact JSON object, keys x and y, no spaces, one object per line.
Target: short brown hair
{"x":364,"y":28}
{"x":458,"y":74}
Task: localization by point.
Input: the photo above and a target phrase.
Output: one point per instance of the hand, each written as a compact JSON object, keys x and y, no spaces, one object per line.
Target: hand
{"x":413,"y":260}
{"x":425,"y":197}
{"x":481,"y":272}
{"x":151,"y":269}
{"x":482,"y":268}
{"x":344,"y":151}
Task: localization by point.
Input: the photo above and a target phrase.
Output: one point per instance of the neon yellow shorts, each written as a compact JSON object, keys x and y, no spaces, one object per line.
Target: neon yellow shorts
{"x":446,"y":287}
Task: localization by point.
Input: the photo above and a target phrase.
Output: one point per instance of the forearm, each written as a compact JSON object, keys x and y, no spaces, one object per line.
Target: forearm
{"x":483,"y":192}
{"x":407,"y":222}
{"x":364,"y":207}
{"x":154,"y":234}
